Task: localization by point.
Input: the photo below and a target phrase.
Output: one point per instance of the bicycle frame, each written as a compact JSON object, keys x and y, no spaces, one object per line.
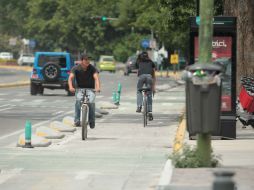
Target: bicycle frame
{"x":144,"y":92}
{"x":84,"y":113}
{"x":145,"y":106}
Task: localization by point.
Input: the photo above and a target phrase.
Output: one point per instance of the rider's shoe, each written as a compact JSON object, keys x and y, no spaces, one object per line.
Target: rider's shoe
{"x":77,"y":123}
{"x":138,"y":109}
{"x":92,"y":125}
{"x":150,"y":116}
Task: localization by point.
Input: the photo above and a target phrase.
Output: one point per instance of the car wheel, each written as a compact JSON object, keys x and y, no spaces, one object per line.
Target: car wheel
{"x":33,"y":88}
{"x":51,"y":72}
{"x":40,"y":90}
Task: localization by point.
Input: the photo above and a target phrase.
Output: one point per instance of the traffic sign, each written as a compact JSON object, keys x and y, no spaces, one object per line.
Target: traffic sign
{"x":145,"y":43}
{"x":32,"y":43}
{"x":174,"y":59}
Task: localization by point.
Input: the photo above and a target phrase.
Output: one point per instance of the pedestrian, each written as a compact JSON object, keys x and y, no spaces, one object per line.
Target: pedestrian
{"x":146,"y":76}
{"x":85,"y":76}
{"x":159,"y":63}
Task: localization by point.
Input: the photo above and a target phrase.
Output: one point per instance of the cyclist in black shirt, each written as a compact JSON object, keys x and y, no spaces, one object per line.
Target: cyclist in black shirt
{"x":146,"y":75}
{"x":85,"y":76}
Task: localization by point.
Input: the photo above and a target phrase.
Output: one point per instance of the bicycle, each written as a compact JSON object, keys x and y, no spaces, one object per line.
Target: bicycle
{"x":144,"y":92}
{"x":84,"y":112}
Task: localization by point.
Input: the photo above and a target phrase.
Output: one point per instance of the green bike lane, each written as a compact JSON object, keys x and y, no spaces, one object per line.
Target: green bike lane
{"x":119,"y":153}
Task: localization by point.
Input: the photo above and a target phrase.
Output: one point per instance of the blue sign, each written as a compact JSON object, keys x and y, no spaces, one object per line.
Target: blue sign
{"x":145,"y":43}
{"x":32,"y":43}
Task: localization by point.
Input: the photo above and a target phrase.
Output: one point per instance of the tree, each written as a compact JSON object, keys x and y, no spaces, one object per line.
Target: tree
{"x":244,"y":11}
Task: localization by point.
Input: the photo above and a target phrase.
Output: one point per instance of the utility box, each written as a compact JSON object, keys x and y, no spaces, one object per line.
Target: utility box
{"x":223,"y":54}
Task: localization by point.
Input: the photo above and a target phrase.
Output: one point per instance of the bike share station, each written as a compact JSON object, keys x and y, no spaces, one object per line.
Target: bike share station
{"x":201,"y":106}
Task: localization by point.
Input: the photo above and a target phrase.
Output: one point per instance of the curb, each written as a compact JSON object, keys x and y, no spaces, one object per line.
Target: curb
{"x":180,"y":133}
{"x":166,"y":176}
{"x":14,"y":84}
{"x":21,"y":68}
{"x":167,"y":173}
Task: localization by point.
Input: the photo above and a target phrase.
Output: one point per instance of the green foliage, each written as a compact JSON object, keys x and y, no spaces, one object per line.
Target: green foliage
{"x":5,"y":46}
{"x":188,"y":158}
{"x":68,"y":24}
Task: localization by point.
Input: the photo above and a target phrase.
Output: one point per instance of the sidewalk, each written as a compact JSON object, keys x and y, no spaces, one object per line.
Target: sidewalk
{"x":236,"y":156}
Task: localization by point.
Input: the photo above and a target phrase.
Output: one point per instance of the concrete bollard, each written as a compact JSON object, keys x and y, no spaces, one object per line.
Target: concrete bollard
{"x":28,"y":134}
{"x":223,"y":181}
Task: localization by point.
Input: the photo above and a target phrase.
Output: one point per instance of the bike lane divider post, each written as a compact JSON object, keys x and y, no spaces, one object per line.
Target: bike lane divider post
{"x":118,"y":96}
{"x":29,"y":140}
{"x":28,"y":134}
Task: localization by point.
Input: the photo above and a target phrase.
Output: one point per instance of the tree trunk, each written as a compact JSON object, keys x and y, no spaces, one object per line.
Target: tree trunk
{"x":244,"y":11}
{"x":205,"y":57}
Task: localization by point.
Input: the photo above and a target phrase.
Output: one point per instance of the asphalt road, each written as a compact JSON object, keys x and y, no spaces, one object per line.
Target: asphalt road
{"x":17,"y":105}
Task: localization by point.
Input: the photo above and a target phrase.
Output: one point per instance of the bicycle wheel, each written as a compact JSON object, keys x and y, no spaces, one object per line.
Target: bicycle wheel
{"x":84,"y":122}
{"x":145,"y":111}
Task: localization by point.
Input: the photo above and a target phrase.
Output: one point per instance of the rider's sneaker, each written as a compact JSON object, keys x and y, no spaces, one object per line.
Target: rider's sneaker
{"x":92,"y":125}
{"x":150,"y":116}
{"x":77,"y":124}
{"x":138,"y":109}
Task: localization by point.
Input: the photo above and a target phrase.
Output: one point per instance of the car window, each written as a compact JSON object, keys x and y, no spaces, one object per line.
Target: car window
{"x":59,"y":60}
{"x":108,"y":59}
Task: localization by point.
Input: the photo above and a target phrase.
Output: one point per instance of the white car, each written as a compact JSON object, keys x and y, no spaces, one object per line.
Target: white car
{"x":6,"y":55}
{"x":26,"y":59}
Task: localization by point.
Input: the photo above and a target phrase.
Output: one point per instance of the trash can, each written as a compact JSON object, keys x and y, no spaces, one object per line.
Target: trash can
{"x":203,"y":99}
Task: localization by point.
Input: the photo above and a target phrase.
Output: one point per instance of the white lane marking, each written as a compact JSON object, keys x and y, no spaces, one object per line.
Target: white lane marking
{"x":35,"y":125}
{"x":83,"y":175}
{"x":5,"y":105}
{"x":166,"y":174}
{"x":5,"y":109}
{"x":5,"y":174}
{"x":56,"y":113}
{"x":16,"y":100}
{"x":3,"y":94}
{"x":39,"y":100}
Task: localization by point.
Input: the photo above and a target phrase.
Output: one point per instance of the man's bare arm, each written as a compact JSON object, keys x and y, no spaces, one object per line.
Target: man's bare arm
{"x":70,"y":79}
{"x":154,"y":80}
{"x":97,"y":82}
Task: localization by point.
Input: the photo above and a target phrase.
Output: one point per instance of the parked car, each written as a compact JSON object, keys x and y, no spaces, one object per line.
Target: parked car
{"x":26,"y":59}
{"x":106,"y":63}
{"x":6,"y":55}
{"x":51,"y":70}
{"x":130,"y":65}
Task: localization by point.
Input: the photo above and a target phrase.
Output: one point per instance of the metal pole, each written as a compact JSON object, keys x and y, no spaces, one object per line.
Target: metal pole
{"x":197,"y":7}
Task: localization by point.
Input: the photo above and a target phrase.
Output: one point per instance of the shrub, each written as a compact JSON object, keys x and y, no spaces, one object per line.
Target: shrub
{"x":188,"y":158}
